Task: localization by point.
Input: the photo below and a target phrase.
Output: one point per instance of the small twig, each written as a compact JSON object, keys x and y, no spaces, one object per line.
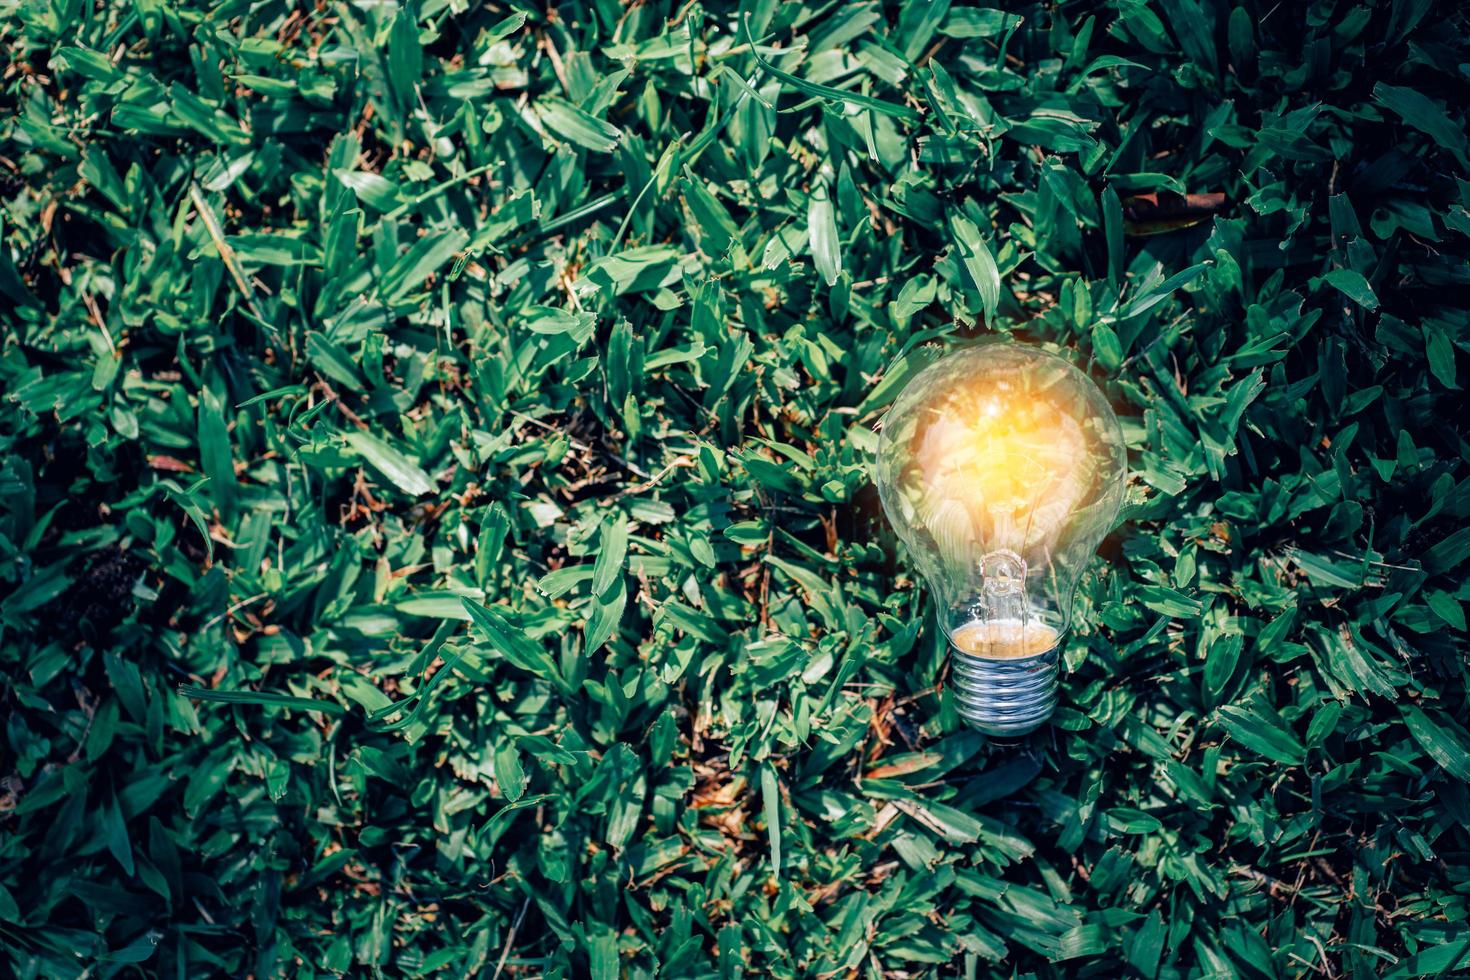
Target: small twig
{"x":1326,"y":965}
{"x":226,"y":254}
{"x":933,"y":50}
{"x":1274,"y":886}
{"x":509,"y":938}
{"x":336,"y":399}
{"x":91,"y":302}
{"x":683,"y":462}
{"x":561,"y":74}
{"x":236,"y":608}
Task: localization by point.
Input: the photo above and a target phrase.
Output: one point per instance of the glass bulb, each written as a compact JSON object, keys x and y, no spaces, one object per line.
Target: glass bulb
{"x":1001,"y":467}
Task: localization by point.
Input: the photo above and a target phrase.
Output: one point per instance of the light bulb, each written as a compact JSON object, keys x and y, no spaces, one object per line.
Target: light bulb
{"x":1001,"y":467}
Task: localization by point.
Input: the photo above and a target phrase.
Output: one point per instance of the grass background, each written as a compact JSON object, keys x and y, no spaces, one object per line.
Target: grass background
{"x":436,"y":529}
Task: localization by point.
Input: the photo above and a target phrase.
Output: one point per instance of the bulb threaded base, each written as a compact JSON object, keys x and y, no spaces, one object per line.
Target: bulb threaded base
{"x":1004,"y":698}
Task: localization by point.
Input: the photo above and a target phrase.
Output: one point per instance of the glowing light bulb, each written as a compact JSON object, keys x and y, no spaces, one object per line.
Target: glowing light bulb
{"x":1001,"y":467}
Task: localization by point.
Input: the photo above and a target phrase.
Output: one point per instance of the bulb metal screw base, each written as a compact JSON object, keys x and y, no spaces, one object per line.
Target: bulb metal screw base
{"x":1005,"y":698}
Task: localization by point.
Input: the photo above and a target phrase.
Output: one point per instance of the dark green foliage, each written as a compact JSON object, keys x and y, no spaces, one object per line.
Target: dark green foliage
{"x":436,"y":533}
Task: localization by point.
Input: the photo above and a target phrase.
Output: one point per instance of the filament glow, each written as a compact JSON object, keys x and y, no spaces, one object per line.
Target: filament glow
{"x":998,"y":466}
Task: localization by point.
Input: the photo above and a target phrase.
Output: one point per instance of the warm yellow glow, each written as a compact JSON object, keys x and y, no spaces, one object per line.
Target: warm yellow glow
{"x":1005,"y":640}
{"x":997,"y":465}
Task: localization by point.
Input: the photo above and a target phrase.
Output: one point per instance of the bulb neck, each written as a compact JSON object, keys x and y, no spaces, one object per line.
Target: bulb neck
{"x":1004,"y":698}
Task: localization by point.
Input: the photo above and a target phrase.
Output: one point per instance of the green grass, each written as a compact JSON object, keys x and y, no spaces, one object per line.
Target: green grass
{"x":436,"y":523}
